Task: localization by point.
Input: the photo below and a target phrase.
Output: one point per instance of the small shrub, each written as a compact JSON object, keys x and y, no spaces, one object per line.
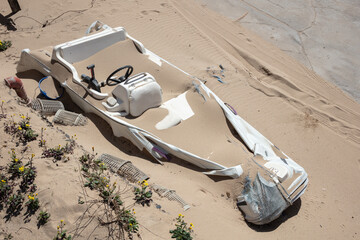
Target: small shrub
{"x":26,"y":133}
{"x":128,"y":219}
{"x":61,"y":233}
{"x":14,"y":203}
{"x":95,"y":181}
{"x":22,"y":130}
{"x":42,"y":142}
{"x":5,"y":45}
{"x":43,"y":217}
{"x":15,"y":168}
{"x":106,"y":193}
{"x":58,"y":153}
{"x":28,"y":174}
{"x":93,"y":171}
{"x":32,"y":204}
{"x":142,"y":195}
{"x":116,"y":201}
{"x":182,"y":231}
{"x":5,"y":189}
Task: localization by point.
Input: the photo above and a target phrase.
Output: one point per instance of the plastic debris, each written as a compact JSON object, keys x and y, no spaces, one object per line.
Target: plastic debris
{"x":261,"y":202}
{"x":47,"y":107}
{"x":170,"y":194}
{"x":69,"y":118}
{"x":124,"y":168}
{"x":218,"y":78}
{"x":16,"y":84}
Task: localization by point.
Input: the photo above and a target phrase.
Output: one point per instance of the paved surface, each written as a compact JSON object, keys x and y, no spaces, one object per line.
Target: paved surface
{"x":324,"y":35}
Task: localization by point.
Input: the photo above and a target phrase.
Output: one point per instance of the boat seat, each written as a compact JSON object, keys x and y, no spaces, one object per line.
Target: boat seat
{"x":135,"y":95}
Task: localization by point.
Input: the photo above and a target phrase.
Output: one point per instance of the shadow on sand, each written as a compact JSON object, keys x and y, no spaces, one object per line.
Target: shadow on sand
{"x":8,"y":22}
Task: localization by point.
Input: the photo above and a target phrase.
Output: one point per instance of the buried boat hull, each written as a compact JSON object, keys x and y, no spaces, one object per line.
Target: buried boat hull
{"x":282,"y":178}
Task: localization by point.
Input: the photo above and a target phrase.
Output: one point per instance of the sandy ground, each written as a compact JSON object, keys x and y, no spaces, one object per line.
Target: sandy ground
{"x":311,"y":120}
{"x":320,"y":34}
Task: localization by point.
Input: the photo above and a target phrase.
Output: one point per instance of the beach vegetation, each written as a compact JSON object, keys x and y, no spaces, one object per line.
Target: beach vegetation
{"x":15,"y":166}
{"x":182,"y":230}
{"x":28,"y":174}
{"x":4,"y":45}
{"x":61,"y":232}
{"x":14,"y":203}
{"x":143,"y":196}
{"x":58,"y":153}
{"x":22,"y":129}
{"x":5,"y":188}
{"x":32,"y":203}
{"x":43,"y":217}
{"x":94,"y":172}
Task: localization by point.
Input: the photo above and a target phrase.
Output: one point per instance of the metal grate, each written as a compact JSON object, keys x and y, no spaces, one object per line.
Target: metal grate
{"x":69,"y":118}
{"x":124,"y":168}
{"x":170,"y":194}
{"x":47,"y":107}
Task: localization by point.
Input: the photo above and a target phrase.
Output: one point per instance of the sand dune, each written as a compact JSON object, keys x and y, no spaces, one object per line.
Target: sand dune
{"x":308,"y":118}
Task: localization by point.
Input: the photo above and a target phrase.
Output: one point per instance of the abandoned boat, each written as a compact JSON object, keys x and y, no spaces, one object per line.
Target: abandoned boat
{"x":159,"y":107}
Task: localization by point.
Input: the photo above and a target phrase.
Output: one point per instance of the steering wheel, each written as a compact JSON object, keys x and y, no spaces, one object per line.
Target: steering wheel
{"x":113,"y":82}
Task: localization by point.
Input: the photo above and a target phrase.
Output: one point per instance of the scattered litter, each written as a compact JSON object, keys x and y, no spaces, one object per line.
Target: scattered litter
{"x":124,"y":168}
{"x":170,"y":194}
{"x":47,"y":107}
{"x":45,"y":94}
{"x":218,"y":78}
{"x":215,"y":73}
{"x":197,"y":89}
{"x":261,"y":202}
{"x":69,"y":118}
{"x":16,"y":84}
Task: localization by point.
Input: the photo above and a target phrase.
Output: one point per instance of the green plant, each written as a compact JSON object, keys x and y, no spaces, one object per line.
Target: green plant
{"x":61,"y":233}
{"x":33,"y":203}
{"x":28,"y":174}
{"x":5,"y":188}
{"x":26,"y":133}
{"x":21,"y":130}
{"x":15,"y":168}
{"x":107,"y":192}
{"x":5,"y":45}
{"x":96,"y":181}
{"x":14,"y":203}
{"x":116,"y":201}
{"x":128,"y":219}
{"x":58,"y":153}
{"x":93,"y":171}
{"x":43,"y":217}
{"x":42,"y":141}
{"x":142,"y":195}
{"x":182,"y":231}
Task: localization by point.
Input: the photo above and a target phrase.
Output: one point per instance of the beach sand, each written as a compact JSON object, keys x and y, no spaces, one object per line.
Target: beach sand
{"x":311,"y":120}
